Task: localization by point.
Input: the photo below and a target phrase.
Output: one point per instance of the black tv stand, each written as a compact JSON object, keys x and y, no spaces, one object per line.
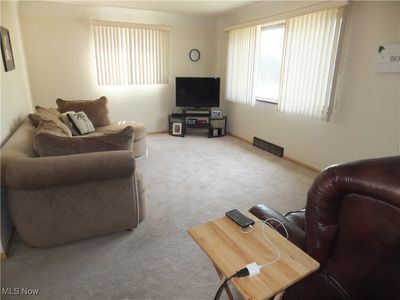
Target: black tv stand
{"x":197,"y":118}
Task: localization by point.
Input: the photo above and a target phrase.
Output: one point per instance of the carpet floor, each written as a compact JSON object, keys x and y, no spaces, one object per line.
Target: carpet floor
{"x":189,"y":181}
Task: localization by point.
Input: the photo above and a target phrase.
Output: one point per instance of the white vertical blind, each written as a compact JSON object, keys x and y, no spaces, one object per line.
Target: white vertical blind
{"x":126,"y":55}
{"x":311,"y":45}
{"x":241,"y":69}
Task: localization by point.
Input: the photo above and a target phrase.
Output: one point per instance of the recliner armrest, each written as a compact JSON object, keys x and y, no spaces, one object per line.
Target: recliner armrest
{"x":296,"y":235}
{"x":26,"y":173}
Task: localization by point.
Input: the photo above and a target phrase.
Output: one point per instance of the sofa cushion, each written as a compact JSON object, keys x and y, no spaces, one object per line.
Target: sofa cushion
{"x":41,"y":112}
{"x":54,"y":111}
{"x":96,"y":110}
{"x":139,"y":129}
{"x":54,"y":127}
{"x":55,"y":145}
{"x":48,"y":127}
{"x":48,"y":114}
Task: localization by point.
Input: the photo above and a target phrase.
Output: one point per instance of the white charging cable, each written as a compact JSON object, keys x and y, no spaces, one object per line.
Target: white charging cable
{"x":270,"y":242}
{"x":254,"y":268}
{"x":275,"y":228}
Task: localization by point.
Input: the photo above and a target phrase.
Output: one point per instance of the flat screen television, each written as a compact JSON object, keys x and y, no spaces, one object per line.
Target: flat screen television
{"x":197,"y":91}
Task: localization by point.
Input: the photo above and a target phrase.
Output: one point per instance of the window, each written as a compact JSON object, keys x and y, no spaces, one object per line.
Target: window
{"x":129,"y":54}
{"x":270,"y":62}
{"x":292,"y":64}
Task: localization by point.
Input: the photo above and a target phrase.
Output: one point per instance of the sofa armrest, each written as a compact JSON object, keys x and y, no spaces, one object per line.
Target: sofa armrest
{"x":296,"y":235}
{"x":34,"y":173}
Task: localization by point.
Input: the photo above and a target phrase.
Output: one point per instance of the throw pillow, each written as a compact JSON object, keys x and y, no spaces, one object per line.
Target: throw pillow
{"x":55,"y":145}
{"x":95,"y":110}
{"x":49,"y":127}
{"x":80,"y":122}
{"x":51,"y":110}
{"x":43,"y":114}
{"x":67,"y":122}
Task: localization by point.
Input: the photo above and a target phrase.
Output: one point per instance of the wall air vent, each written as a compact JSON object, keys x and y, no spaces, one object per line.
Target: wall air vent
{"x":269,"y":147}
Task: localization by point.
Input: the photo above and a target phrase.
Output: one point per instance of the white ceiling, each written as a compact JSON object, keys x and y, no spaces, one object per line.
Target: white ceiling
{"x":194,"y":7}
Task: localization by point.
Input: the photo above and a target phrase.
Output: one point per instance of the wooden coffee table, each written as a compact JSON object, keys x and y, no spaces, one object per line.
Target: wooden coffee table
{"x":231,"y":250}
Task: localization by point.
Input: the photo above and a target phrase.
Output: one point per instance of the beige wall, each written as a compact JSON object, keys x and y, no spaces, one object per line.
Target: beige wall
{"x":365,"y":122}
{"x":15,"y":95}
{"x":61,"y":60}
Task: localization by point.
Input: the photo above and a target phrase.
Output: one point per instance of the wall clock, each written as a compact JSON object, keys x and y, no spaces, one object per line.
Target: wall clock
{"x":194,"y":54}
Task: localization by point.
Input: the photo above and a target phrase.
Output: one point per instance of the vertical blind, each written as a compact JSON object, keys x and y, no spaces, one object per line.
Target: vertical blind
{"x":241,"y":69}
{"x":311,"y":44}
{"x":128,"y":55}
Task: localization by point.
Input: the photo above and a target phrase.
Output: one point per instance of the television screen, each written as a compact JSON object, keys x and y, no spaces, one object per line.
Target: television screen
{"x":197,"y":92}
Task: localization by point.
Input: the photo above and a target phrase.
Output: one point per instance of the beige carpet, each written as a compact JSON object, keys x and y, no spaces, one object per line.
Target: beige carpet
{"x":189,"y":181}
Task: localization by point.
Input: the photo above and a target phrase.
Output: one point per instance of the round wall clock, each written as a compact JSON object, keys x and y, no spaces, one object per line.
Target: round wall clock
{"x":194,"y":54}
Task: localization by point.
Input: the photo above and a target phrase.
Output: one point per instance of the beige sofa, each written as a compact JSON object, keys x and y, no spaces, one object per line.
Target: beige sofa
{"x":58,"y":199}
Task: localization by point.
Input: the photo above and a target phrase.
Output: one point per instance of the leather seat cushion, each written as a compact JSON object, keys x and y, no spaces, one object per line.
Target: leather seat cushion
{"x":296,"y":235}
{"x":298,"y":218}
{"x":317,"y":286}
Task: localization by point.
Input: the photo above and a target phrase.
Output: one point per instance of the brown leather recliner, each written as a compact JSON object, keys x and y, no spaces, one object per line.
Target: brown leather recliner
{"x":351,"y":226}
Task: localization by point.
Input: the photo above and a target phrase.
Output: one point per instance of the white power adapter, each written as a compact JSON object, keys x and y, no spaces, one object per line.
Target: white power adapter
{"x":253,"y":269}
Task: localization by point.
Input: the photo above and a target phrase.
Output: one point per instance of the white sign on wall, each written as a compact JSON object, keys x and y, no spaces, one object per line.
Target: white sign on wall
{"x":388,"y":58}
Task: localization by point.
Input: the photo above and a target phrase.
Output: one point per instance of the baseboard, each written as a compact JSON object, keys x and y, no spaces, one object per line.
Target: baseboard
{"x":288,"y":158}
{"x":157,"y":132}
{"x":303,"y":164}
{"x":239,"y":138}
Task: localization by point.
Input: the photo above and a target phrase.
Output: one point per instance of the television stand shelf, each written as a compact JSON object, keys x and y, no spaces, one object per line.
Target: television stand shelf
{"x":197,"y":119}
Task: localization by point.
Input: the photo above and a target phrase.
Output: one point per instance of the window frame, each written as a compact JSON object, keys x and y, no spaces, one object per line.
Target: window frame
{"x":274,"y":24}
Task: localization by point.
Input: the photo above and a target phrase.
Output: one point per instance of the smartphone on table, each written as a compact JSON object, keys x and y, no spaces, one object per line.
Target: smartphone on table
{"x":239,"y":218}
